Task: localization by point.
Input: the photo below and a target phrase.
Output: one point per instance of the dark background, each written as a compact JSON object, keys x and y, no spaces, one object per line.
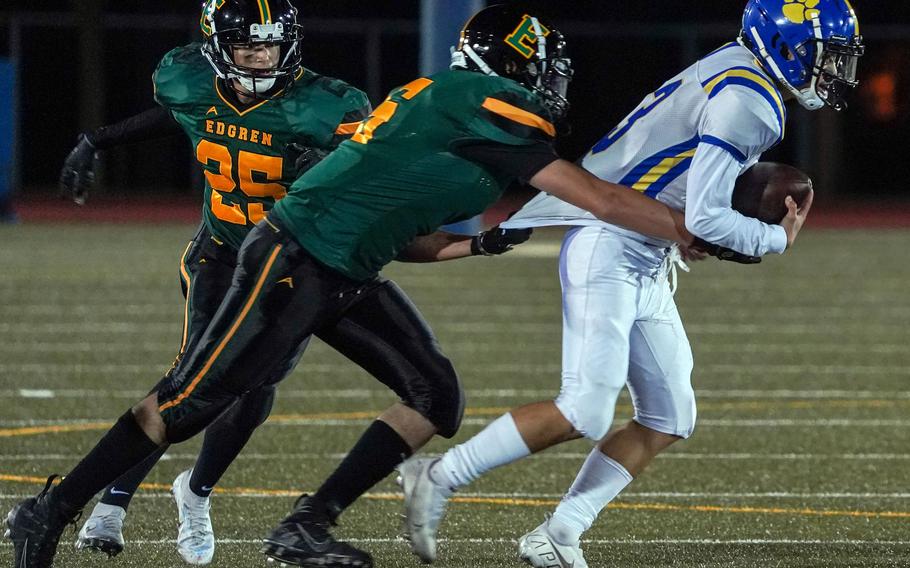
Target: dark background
{"x":622,"y":51}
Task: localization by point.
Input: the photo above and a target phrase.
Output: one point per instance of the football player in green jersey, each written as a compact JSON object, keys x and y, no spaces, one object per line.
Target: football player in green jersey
{"x":438,"y":150}
{"x":254,"y":126}
{"x":258,"y":125}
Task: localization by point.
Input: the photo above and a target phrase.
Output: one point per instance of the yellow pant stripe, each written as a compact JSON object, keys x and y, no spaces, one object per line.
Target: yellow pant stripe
{"x":243,"y":313}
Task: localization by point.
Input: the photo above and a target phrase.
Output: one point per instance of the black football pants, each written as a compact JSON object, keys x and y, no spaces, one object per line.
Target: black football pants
{"x":206,"y":270}
{"x":278,"y":298}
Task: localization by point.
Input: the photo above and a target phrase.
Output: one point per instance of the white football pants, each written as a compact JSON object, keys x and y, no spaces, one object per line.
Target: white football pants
{"x":621,"y":327}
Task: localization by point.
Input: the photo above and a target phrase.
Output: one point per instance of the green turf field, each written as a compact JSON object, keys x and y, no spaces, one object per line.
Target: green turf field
{"x":802,"y":368}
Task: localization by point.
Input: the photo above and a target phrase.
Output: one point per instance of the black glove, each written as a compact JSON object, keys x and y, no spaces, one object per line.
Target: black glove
{"x":78,"y":173}
{"x":303,"y":157}
{"x":724,"y":253}
{"x":498,"y":240}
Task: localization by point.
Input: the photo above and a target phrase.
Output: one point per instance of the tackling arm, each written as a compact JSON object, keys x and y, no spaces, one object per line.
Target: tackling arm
{"x":441,"y":245}
{"x":612,"y":203}
{"x":437,"y":247}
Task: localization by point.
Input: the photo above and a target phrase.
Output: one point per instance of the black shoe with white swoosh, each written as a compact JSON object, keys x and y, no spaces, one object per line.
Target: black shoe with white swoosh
{"x":35,"y":526}
{"x":303,"y":539}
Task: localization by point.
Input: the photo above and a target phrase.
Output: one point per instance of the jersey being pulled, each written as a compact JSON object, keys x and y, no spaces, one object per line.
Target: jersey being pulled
{"x":400,"y":175}
{"x":242,"y":149}
{"x":724,"y":100}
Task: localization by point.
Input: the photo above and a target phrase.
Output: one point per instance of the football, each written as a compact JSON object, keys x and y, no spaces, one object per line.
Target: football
{"x":760,"y":191}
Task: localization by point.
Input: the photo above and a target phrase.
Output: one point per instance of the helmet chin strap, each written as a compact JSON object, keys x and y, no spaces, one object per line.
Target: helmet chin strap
{"x":541,"y":49}
{"x":460,"y":57}
{"x":254,"y":86}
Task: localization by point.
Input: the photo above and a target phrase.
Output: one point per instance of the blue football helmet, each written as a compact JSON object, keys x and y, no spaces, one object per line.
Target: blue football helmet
{"x":810,"y":46}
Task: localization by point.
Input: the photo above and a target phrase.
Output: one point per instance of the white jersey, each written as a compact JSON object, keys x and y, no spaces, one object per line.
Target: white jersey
{"x":685,"y":145}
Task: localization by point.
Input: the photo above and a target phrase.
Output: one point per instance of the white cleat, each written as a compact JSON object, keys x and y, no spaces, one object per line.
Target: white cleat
{"x":103,"y":530}
{"x":424,"y":505}
{"x":538,"y":549}
{"x":195,"y":537}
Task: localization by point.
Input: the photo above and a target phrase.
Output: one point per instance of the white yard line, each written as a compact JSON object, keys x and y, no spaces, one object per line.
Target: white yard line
{"x":877,"y":348}
{"x":511,"y":541}
{"x":543,"y":456}
{"x":510,"y":367}
{"x":143,"y":494}
{"x":705,"y":423}
{"x":487,"y":393}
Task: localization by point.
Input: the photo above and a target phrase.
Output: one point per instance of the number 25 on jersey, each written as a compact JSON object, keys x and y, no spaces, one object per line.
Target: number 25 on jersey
{"x":267,"y":168}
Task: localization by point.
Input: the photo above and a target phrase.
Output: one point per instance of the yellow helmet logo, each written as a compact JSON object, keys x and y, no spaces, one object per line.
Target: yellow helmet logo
{"x":208,"y":11}
{"x":524,"y":38}
{"x":800,"y":11}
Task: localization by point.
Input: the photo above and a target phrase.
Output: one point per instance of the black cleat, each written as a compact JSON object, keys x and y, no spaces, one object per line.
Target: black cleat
{"x":35,"y":526}
{"x":303,"y":539}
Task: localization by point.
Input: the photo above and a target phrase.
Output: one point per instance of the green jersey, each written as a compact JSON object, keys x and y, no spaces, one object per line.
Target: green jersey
{"x":405,"y":172}
{"x":242,"y":148}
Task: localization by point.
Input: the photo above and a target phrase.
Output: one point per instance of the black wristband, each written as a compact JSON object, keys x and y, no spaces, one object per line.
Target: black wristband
{"x":477,"y":247}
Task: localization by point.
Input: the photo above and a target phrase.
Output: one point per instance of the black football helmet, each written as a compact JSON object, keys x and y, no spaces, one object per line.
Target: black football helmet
{"x":241,"y":23}
{"x":502,"y":40}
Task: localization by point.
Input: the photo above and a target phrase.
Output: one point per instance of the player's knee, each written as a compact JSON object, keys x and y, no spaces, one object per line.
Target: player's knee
{"x":686,"y":414}
{"x":591,"y":415}
{"x":594,"y":425}
{"x":252,"y":410}
{"x":445,"y":400}
{"x":190,"y":417}
{"x":674,"y":414}
{"x":147,"y":418}
{"x":185,"y":427}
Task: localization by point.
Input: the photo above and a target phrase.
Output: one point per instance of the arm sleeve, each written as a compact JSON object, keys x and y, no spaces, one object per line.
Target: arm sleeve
{"x":709,"y":215}
{"x":360,"y":109}
{"x":520,"y":162}
{"x":149,"y":125}
{"x":742,"y":122}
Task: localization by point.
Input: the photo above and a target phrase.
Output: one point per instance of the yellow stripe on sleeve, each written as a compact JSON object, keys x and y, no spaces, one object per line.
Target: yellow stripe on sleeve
{"x":518,"y":115}
{"x":346,"y":128}
{"x":755,"y":78}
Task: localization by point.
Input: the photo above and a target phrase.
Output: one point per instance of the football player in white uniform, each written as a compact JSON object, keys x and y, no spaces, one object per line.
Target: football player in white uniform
{"x":684,"y":145}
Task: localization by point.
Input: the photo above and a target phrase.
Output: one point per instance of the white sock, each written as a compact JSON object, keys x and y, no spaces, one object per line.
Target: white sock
{"x":598,"y":482}
{"x":498,"y":444}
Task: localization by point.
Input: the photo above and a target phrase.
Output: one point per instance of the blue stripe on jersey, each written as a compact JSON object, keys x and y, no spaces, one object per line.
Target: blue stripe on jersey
{"x":666,"y":179}
{"x":753,"y":80}
{"x":655,"y":173}
{"x":714,"y":141}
